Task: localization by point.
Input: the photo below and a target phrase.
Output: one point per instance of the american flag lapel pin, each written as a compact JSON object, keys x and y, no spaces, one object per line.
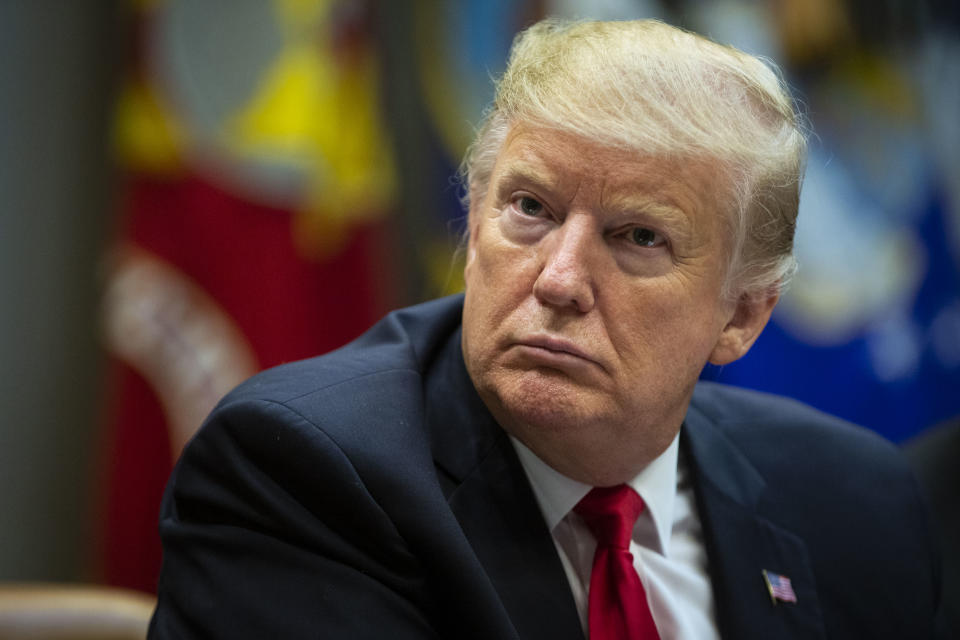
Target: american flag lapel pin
{"x":779,"y":587}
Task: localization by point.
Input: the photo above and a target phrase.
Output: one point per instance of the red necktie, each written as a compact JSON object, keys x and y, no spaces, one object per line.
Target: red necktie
{"x":618,"y":608}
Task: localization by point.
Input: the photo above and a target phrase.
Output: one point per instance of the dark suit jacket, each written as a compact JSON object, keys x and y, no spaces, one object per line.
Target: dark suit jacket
{"x":369,"y":493}
{"x":935,"y":456}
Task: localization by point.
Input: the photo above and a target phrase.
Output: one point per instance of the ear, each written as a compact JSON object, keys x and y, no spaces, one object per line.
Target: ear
{"x":749,"y":318}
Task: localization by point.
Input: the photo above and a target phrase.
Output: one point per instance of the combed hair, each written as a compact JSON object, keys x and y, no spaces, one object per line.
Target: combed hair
{"x":652,"y":88}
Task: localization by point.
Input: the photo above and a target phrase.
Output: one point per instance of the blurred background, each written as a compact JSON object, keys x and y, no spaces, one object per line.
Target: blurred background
{"x":191,"y":191}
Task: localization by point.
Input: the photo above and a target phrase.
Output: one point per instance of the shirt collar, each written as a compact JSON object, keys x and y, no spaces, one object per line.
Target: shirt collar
{"x":557,"y":494}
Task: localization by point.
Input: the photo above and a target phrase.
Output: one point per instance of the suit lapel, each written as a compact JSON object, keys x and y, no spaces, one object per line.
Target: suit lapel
{"x":741,"y":544}
{"x":491,"y":498}
{"x":488,"y":492}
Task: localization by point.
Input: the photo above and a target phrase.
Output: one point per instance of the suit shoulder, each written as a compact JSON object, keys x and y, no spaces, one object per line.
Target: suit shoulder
{"x":369,"y":388}
{"x":403,"y":342}
{"x":759,"y":420}
{"x":725,"y":403}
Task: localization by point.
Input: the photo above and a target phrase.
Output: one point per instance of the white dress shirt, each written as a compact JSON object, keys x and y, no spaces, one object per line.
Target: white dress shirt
{"x":667,"y":543}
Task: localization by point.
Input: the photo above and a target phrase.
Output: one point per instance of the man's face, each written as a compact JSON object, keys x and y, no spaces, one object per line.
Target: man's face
{"x":593,"y":284}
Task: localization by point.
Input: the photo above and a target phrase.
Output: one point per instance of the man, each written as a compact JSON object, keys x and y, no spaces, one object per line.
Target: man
{"x":535,"y":459}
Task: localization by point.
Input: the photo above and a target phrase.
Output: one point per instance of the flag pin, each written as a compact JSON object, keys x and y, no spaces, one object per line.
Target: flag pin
{"x":779,"y":587}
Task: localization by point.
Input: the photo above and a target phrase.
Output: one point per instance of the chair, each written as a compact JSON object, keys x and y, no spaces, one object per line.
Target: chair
{"x":39,"y":611}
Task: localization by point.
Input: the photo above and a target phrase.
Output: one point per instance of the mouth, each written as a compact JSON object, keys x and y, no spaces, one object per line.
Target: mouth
{"x":551,"y":351}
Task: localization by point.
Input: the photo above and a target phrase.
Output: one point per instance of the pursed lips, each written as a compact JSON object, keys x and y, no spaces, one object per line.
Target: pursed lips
{"x":556,"y":348}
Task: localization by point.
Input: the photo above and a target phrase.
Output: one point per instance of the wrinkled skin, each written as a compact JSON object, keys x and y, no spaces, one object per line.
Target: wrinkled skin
{"x":593,"y":299}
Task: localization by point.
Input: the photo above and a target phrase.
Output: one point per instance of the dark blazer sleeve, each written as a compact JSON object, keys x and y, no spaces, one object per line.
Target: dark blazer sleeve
{"x":269,"y":531}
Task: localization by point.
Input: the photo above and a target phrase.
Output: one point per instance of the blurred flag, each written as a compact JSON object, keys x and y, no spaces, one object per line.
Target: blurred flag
{"x":459,"y":47}
{"x":870,"y":328}
{"x":257,"y":176}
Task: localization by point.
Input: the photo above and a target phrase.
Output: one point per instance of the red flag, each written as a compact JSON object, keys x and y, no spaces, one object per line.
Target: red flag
{"x":250,"y":234}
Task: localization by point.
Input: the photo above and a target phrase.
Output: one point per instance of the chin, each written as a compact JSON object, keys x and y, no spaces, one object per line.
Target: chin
{"x":577,"y":429}
{"x":549,"y":401}
{"x":575,"y":436}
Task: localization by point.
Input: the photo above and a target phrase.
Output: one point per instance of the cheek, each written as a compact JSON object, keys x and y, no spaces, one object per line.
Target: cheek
{"x":490,"y":289}
{"x":665,"y":324}
{"x":504,"y":269}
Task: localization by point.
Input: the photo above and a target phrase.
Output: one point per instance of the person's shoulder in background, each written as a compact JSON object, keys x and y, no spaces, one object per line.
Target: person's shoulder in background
{"x":935,"y":457}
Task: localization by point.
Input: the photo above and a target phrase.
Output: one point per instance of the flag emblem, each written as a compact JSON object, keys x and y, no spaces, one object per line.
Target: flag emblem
{"x":779,"y":587}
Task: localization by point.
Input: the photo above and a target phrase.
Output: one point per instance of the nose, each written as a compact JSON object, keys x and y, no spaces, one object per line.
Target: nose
{"x":565,"y":280}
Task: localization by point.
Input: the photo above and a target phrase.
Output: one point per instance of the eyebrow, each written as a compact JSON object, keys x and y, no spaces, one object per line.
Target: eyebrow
{"x":524,"y":172}
{"x":654,"y":209}
{"x":642,"y":203}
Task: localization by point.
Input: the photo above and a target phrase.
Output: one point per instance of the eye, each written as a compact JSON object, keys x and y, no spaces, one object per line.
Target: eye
{"x":530,"y":206}
{"x":644,"y":237}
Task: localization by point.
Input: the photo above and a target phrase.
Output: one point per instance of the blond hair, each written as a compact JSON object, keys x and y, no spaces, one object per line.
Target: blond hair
{"x":656,"y":89}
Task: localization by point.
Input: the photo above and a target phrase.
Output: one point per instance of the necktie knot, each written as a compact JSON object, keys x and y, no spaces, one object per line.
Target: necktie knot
{"x":610,"y":513}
